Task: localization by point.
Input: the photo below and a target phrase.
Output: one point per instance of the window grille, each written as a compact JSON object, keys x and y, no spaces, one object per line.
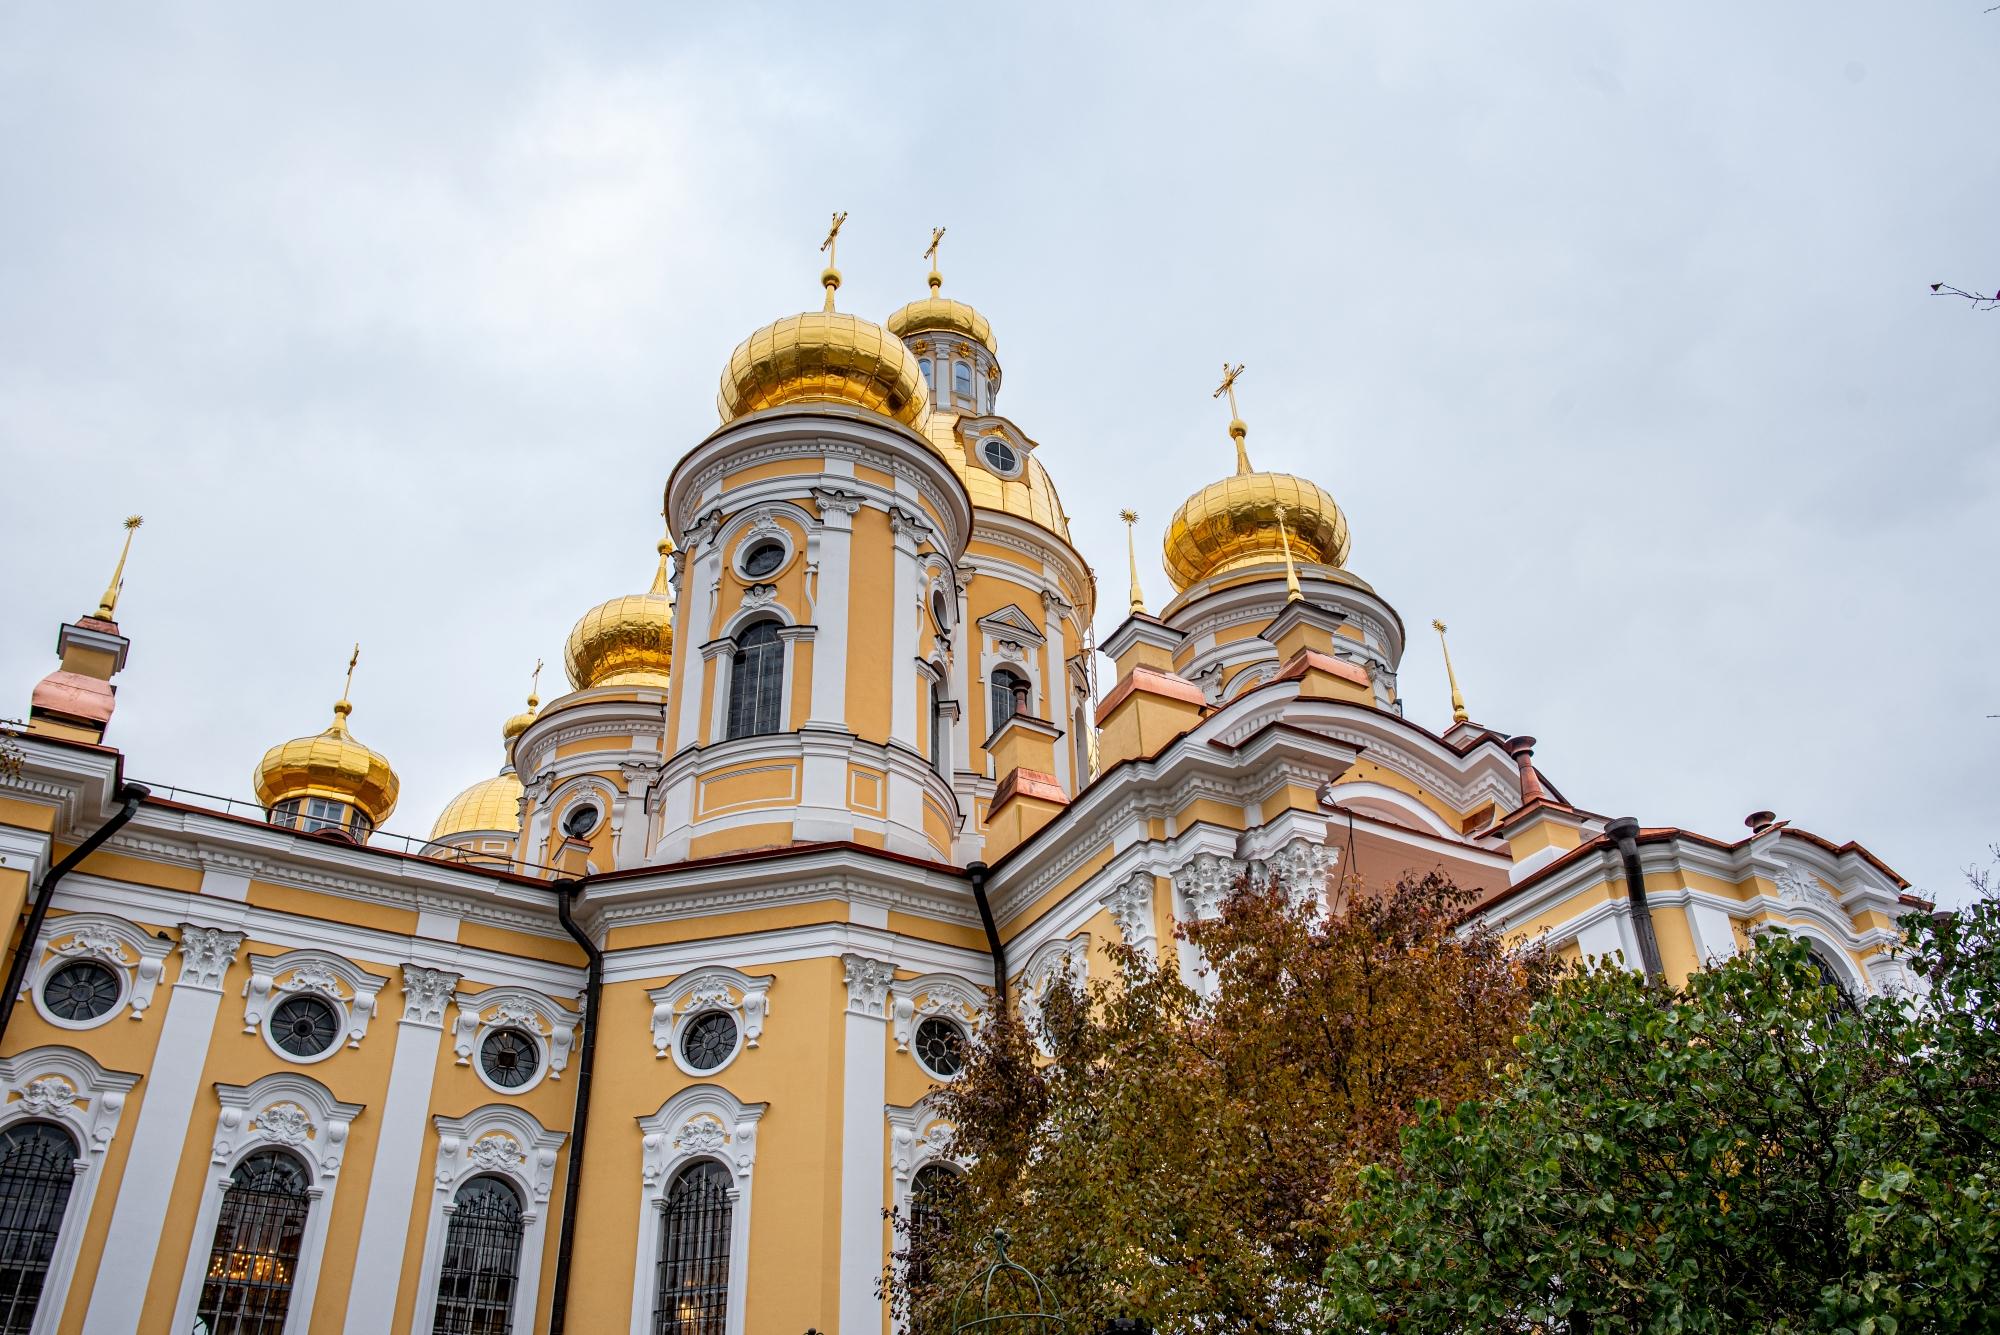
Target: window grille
{"x":1010,"y":697}
{"x":756,"y":681}
{"x":693,"y":1293}
{"x":81,"y":990}
{"x":933,"y":1193}
{"x":256,"y":1252}
{"x":305,"y":1025}
{"x":510,"y":1058}
{"x":482,"y":1260}
{"x":709,"y":1040}
{"x":37,"y":1169}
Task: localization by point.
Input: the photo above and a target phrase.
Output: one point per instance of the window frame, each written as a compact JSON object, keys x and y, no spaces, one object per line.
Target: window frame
{"x":775,"y":653}
{"x":701,"y":1122}
{"x":502,"y":1141}
{"x":137,"y":957}
{"x":1020,"y":695}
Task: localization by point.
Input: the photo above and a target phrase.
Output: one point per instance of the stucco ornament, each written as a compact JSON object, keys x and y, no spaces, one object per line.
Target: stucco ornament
{"x":206,"y":954}
{"x":1796,"y":885}
{"x":1130,"y":904}
{"x":425,"y":994}
{"x":867,"y":985}
{"x":1206,"y":880}
{"x":49,"y":1096}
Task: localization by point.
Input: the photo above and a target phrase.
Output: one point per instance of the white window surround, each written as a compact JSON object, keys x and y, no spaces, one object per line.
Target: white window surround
{"x":761,"y":529}
{"x":716,"y":987}
{"x":274,"y":978}
{"x":137,"y":957}
{"x":1051,"y":962}
{"x":756,"y":607}
{"x":700,"y":1122}
{"x":934,"y":994}
{"x":68,"y":1088}
{"x":508,"y":1007}
{"x":498,"y":1140}
{"x":290,"y":1111}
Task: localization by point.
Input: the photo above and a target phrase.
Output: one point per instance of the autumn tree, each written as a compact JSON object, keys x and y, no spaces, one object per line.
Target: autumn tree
{"x":1183,"y":1154}
{"x":1756,"y":1150}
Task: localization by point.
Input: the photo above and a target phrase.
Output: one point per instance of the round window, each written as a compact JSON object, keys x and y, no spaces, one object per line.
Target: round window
{"x":1000,"y":457}
{"x":510,"y":1058}
{"x":81,"y":990}
{"x":941,"y":610}
{"x":580,"y":820}
{"x":709,"y":1040}
{"x":763,"y":558}
{"x":940,"y":1047}
{"x":305,"y":1026}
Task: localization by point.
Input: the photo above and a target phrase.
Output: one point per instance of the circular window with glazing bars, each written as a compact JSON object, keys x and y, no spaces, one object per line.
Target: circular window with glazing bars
{"x":1000,"y":457}
{"x":940,"y":1047}
{"x":709,"y":1040}
{"x":81,"y":991}
{"x":305,"y":1026}
{"x":510,"y":1057}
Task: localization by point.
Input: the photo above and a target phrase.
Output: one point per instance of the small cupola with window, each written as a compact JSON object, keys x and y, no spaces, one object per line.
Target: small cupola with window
{"x":328,"y":784}
{"x":954,"y":343}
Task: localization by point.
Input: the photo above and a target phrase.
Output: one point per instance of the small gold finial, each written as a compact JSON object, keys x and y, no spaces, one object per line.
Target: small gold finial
{"x":108,"y":604}
{"x":535,"y":686}
{"x":1132,"y":559}
{"x":1293,"y":593}
{"x":830,"y":276}
{"x":661,"y":583}
{"x":1458,"y":714}
{"x":936,"y":279}
{"x":1237,"y":431}
{"x":343,"y":706}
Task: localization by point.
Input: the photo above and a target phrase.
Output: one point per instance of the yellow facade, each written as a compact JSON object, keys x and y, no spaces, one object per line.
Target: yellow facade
{"x":742,"y":872}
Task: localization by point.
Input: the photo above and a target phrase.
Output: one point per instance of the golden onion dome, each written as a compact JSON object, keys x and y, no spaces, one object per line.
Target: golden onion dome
{"x":519,"y":723}
{"x":1251,"y":519}
{"x":825,"y":356}
{"x":1030,"y":494}
{"x":331,"y":764}
{"x":489,"y":806}
{"x":937,"y":314}
{"x":628,"y":641}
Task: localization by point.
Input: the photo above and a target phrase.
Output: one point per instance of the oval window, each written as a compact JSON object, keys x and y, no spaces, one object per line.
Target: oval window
{"x":580,"y":820}
{"x":763,"y":558}
{"x":305,"y":1026}
{"x":1000,"y":457}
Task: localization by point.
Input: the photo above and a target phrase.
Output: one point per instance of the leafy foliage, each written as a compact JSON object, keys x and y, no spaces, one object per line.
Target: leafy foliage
{"x":1754,"y":1151}
{"x":1184,"y":1154}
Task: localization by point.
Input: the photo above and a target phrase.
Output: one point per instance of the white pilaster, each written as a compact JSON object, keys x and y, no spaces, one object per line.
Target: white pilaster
{"x":166,"y":1112}
{"x":863,"y":1130}
{"x":835,"y":540}
{"x":393,"y":1184}
{"x":906,"y":578}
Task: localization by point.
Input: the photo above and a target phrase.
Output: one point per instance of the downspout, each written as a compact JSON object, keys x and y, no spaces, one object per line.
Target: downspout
{"x":132,"y":794}
{"x":593,"y":988}
{"x":1624,"y":832}
{"x":977,"y":871}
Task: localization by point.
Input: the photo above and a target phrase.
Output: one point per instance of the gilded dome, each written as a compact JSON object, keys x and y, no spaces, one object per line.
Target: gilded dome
{"x":1030,"y":494}
{"x":824,"y":356}
{"x":628,"y":641}
{"x":490,"y":805}
{"x":331,"y":764}
{"x":941,"y":315}
{"x":1236,"y":522}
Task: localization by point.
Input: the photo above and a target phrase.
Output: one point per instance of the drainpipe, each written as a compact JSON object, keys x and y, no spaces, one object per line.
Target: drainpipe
{"x":1624,"y":832}
{"x":593,"y":988}
{"x":132,"y":794}
{"x":978,"y":872}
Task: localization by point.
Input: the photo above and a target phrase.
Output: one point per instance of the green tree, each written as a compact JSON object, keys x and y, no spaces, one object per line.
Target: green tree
{"x":1183,"y":1154}
{"x":1754,"y":1151}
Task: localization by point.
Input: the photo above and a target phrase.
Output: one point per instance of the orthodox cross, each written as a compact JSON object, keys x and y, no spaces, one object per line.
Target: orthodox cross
{"x":535,"y":682}
{"x":830,"y":245}
{"x":937,"y":235}
{"x":354,"y":658}
{"x":1228,"y":386}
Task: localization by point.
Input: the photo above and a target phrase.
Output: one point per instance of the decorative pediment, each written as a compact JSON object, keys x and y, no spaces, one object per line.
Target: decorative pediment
{"x":917,"y":999}
{"x":502,"y":1140}
{"x":700,"y":991}
{"x":1011,"y":623}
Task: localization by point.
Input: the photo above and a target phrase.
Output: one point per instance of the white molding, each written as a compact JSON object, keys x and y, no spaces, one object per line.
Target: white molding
{"x":864,"y":1080}
{"x":136,"y":956}
{"x":206,"y":954}
{"x":290,"y":1111}
{"x":944,"y":995}
{"x":503,"y":1141}
{"x":1130,"y":902}
{"x":479,"y":1014}
{"x":1053,"y":962}
{"x":274,"y":978}
{"x":713,"y":987}
{"x":67,"y":1087}
{"x":700,"y":1122}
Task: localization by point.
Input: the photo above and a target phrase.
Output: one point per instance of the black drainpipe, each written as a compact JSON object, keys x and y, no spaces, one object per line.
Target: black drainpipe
{"x":593,"y":988}
{"x":978,"y":871}
{"x":132,"y":794}
{"x":1625,"y":833}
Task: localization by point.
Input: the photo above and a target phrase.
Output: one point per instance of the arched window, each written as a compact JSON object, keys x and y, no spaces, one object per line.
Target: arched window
{"x":693,"y":1293}
{"x":933,"y":1194}
{"x":255,"y":1256}
{"x":37,"y":1169}
{"x":940,"y":752}
{"x":1010,"y":697}
{"x":930,"y":379}
{"x":961,"y":381}
{"x":482,"y":1261}
{"x":756,"y":681}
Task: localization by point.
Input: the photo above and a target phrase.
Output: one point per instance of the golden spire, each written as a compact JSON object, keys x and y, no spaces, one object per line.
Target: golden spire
{"x":831,"y":275}
{"x":1293,"y":594}
{"x":1458,"y":714}
{"x":666,"y":550}
{"x":1132,"y":559}
{"x":108,"y":604}
{"x":1237,"y":431}
{"x":936,"y":279}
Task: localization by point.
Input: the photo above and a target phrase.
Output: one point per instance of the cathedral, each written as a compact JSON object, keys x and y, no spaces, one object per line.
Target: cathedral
{"x":642,"y":1035}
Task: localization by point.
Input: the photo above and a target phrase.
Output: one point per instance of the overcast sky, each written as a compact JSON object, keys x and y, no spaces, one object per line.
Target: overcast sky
{"x":1608,"y":325}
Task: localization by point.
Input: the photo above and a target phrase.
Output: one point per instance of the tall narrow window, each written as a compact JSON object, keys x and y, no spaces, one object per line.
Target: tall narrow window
{"x":940,"y":752}
{"x":37,"y":1169}
{"x":255,"y":1257}
{"x":961,"y":382}
{"x":756,"y":681}
{"x":930,"y":379}
{"x":482,"y":1261}
{"x":933,"y":1193}
{"x":1010,"y":697}
{"x":693,"y":1293}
